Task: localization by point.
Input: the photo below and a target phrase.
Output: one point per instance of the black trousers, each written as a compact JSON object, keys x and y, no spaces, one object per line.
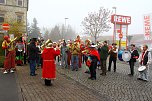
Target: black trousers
{"x":47,"y":82}
{"x":93,"y":68}
{"x":112,"y":59}
{"x":24,"y":58}
{"x":131,"y":63}
{"x":103,"y":66}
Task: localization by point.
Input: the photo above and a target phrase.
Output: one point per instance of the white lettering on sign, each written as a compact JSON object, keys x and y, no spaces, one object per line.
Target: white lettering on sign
{"x":147,"y":27}
{"x":122,"y":19}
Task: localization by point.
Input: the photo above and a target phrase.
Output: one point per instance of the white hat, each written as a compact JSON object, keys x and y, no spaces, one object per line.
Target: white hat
{"x":93,"y":46}
{"x":49,"y":45}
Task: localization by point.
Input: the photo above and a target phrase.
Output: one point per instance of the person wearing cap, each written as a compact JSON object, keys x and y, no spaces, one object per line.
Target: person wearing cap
{"x":134,"y":56}
{"x":103,"y":51}
{"x":145,"y":59}
{"x":113,"y":56}
{"x":93,"y":57}
{"x":32,"y":54}
{"x":49,"y":66}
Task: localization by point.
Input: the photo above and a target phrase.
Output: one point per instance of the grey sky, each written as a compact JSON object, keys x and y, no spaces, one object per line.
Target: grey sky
{"x":52,"y":12}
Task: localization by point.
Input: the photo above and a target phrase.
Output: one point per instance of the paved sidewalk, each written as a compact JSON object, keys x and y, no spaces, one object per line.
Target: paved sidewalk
{"x":115,"y":86}
{"x":63,"y":89}
{"x":8,"y":87}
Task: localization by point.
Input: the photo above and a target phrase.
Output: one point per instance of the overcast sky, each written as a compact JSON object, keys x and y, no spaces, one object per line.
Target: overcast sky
{"x":51,"y":12}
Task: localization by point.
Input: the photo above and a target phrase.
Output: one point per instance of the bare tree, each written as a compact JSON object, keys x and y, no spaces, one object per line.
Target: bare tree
{"x":98,"y":22}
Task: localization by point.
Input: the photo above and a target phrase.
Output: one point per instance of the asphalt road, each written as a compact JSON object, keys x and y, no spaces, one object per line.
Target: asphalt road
{"x":8,"y":87}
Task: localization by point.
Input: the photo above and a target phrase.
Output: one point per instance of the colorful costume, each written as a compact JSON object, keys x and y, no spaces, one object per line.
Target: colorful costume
{"x":93,"y":58}
{"x":85,"y":53}
{"x":19,"y":53}
{"x":78,"y":41}
{"x":9,"y":62}
{"x":75,"y":50}
{"x":49,"y":67}
{"x":113,"y":56}
{"x":69,"y":54}
{"x":144,"y":60}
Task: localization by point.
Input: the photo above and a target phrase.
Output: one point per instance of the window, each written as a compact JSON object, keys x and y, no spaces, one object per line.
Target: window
{"x":20,"y":2}
{"x":2,"y":1}
{"x":1,"y":18}
{"x":19,"y":18}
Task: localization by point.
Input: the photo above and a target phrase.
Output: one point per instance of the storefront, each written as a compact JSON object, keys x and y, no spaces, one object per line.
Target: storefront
{"x":120,"y":34}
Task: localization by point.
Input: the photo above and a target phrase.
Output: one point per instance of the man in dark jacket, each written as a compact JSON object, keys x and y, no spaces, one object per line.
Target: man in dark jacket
{"x":32,"y":54}
{"x":134,"y":56}
{"x":103,"y":51}
{"x":113,"y":56}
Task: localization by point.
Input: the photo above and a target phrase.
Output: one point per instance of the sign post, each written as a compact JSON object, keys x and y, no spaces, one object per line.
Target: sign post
{"x":122,"y":23}
{"x":120,"y":37}
{"x":5,"y":27}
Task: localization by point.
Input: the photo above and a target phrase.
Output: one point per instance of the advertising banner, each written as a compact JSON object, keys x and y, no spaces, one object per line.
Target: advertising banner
{"x":147,"y":27}
{"x":121,"y":19}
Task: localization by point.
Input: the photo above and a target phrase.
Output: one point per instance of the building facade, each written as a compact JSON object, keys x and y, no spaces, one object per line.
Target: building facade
{"x":13,"y":10}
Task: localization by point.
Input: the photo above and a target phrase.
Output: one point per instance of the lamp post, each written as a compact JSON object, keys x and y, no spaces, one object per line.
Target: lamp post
{"x":64,"y":27}
{"x":115,"y":8}
{"x":65,"y":21}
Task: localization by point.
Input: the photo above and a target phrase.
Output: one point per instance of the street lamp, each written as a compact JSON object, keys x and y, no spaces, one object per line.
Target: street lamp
{"x":65,"y":21}
{"x":115,"y":8}
{"x":65,"y":26}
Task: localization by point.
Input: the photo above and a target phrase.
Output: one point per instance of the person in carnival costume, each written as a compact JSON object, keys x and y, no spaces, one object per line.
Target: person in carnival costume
{"x":9,"y":47}
{"x":49,"y":66}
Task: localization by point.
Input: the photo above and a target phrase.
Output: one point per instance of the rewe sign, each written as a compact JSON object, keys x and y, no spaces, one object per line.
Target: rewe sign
{"x":120,"y":19}
{"x":147,"y":27}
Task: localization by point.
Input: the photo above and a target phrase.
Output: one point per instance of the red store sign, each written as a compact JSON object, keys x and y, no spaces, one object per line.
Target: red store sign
{"x":147,"y":25}
{"x":120,"y":19}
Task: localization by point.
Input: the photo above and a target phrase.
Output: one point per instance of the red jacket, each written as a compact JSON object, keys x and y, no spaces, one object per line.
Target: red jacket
{"x":95,"y":53}
{"x":49,"y":67}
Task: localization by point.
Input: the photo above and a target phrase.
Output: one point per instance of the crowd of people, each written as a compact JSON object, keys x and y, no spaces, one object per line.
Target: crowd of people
{"x":70,"y":54}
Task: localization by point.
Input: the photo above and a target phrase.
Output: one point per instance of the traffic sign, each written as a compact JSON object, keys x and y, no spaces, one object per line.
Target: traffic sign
{"x":5,"y":26}
{"x":120,"y":35}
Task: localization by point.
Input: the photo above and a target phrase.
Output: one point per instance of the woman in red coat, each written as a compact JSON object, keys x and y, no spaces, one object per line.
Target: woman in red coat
{"x":48,"y":66}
